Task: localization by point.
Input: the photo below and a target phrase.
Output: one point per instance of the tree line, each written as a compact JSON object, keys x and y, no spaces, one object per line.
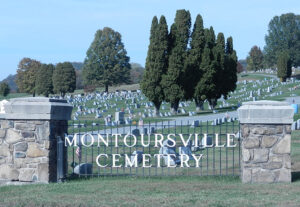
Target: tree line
{"x":34,"y":77}
{"x":188,"y":65}
{"x":106,"y":64}
{"x":282,"y":49}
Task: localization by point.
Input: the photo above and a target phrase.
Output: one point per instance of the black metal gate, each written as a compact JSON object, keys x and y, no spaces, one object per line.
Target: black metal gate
{"x":215,"y":160}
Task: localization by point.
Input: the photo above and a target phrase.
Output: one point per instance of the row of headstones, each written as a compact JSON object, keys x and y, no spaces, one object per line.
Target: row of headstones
{"x":223,"y":120}
{"x":85,"y":110}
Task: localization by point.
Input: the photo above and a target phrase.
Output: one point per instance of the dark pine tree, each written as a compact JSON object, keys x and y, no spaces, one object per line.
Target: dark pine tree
{"x":230,"y":74}
{"x":206,"y":86}
{"x":213,"y":70}
{"x":4,"y":89}
{"x":219,"y":56}
{"x":284,"y":66}
{"x":193,"y":72}
{"x":173,"y":80}
{"x":156,"y":62}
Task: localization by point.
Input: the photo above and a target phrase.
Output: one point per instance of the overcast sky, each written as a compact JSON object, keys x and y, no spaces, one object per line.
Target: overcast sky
{"x":62,"y":30}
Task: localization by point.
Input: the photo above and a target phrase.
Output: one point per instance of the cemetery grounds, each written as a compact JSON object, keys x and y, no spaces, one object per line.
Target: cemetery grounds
{"x":176,"y":190}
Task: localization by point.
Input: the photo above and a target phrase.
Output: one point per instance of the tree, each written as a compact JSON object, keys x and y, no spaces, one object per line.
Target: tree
{"x":255,"y":59}
{"x":239,"y":67}
{"x":11,"y":81}
{"x":89,"y":89}
{"x":206,"y":86}
{"x":173,"y":80}
{"x":106,"y":61}
{"x":79,"y":80}
{"x":221,"y":73}
{"x":26,"y":75}
{"x":43,"y":83}
{"x":283,"y":35}
{"x":136,"y":73}
{"x":230,"y":68}
{"x":216,"y":66}
{"x":4,"y":89}
{"x":64,"y":78}
{"x":156,"y":62}
{"x":284,"y":68}
{"x":243,"y":62}
{"x":193,"y":72}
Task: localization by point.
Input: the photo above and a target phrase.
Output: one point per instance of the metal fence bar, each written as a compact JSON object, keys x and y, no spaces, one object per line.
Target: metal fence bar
{"x":227,"y":164}
{"x":60,"y":159}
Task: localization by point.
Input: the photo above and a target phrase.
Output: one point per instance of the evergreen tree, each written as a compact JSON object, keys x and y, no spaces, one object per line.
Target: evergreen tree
{"x":43,"y":83}
{"x":26,"y":75}
{"x":284,"y":68}
{"x":173,"y":80}
{"x":230,"y":73}
{"x":64,"y":78}
{"x":156,"y":62}
{"x":4,"y":89}
{"x":206,"y":87}
{"x":106,"y":61}
{"x":220,"y":73}
{"x":193,"y":72}
{"x":212,"y":69}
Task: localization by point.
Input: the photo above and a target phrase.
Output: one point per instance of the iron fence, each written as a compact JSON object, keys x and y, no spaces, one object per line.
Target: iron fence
{"x":215,"y":160}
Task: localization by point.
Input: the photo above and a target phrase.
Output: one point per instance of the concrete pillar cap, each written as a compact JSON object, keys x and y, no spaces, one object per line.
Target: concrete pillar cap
{"x":37,"y":108}
{"x":266,"y":112}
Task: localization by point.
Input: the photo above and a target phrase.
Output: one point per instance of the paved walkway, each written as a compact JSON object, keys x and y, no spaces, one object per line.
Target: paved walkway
{"x":290,"y":100}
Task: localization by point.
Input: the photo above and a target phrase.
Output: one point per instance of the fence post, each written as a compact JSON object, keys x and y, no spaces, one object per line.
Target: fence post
{"x":28,"y":144}
{"x":266,"y":141}
{"x":60,"y":160}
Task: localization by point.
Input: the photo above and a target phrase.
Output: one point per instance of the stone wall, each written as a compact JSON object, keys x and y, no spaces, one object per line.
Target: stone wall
{"x":28,"y":146}
{"x":266,"y":153}
{"x":266,"y":141}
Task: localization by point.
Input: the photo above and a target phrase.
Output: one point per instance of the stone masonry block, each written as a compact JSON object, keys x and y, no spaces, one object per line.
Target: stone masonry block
{"x":283,"y":146}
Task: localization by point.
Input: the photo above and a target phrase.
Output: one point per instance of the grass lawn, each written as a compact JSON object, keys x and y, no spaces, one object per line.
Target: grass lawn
{"x":14,"y":95}
{"x":169,"y":191}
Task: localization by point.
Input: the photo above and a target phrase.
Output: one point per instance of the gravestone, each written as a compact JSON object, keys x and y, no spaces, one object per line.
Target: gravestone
{"x":84,"y":169}
{"x":136,"y":132}
{"x":119,"y":117}
{"x":186,"y":151}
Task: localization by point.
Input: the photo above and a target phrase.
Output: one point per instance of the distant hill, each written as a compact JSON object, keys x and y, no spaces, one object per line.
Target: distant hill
{"x":11,"y":81}
{"x":77,"y":65}
{"x":243,"y":63}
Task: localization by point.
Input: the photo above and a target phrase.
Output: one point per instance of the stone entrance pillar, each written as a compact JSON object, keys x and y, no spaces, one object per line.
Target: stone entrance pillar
{"x":28,"y":132}
{"x":266,"y":141}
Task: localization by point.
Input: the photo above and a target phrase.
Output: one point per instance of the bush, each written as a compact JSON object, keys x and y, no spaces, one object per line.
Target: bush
{"x":4,"y":89}
{"x":89,"y":88}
